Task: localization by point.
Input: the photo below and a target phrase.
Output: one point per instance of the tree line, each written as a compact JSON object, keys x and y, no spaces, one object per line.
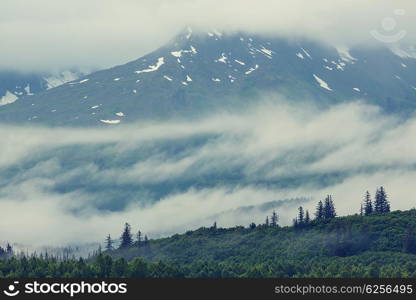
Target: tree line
{"x":126,"y":239}
{"x":326,"y":210}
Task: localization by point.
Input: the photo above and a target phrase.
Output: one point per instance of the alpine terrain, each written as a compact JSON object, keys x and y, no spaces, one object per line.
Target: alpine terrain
{"x":200,"y":72}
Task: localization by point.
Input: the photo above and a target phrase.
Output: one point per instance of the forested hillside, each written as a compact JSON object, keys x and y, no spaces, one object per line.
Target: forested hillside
{"x":353,"y":246}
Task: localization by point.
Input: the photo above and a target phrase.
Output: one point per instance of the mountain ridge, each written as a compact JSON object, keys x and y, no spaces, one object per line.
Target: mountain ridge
{"x":199,"y":72}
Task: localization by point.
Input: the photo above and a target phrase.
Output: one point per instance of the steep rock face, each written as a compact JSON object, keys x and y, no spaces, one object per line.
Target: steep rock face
{"x":197,"y":73}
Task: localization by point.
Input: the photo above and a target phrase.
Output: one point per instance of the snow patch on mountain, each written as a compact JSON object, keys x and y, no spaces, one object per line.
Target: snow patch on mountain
{"x":222,"y":59}
{"x":111,"y":121}
{"x":8,"y":98}
{"x":266,"y":51}
{"x":300,"y":55}
{"x":179,"y":53}
{"x":152,"y":68}
{"x":345,"y":55}
{"x":306,"y":53}
{"x":339,"y":65}
{"x":251,"y":70}
{"x":60,"y":79}
{"x":322,"y":83}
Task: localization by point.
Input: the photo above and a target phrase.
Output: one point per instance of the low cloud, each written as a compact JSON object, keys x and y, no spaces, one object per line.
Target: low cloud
{"x":61,"y":185}
{"x":47,"y":35}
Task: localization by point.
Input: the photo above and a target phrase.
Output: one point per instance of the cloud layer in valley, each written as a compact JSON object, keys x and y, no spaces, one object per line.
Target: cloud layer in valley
{"x":46,"y":35}
{"x":62,"y":186}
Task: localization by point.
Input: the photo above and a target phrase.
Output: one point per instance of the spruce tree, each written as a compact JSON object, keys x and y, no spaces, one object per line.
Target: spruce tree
{"x":378,"y":203}
{"x":301,"y":215}
{"x":329,"y":208}
{"x":274,"y":219}
{"x":381,"y":204}
{"x":387,"y":207}
{"x":307,"y":218}
{"x":267,"y":222}
{"x":368,"y":206}
{"x":126,"y":239}
{"x":109,"y":244}
{"x":319,"y":211}
{"x":386,"y":203}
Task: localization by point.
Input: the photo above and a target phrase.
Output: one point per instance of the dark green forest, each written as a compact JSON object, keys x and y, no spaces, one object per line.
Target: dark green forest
{"x":373,"y":243}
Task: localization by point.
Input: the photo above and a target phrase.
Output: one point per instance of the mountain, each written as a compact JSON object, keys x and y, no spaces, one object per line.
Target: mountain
{"x":202,"y":72}
{"x":15,"y":85}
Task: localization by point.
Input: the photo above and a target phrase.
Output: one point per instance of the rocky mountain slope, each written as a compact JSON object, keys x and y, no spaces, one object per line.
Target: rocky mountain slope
{"x":197,"y":73}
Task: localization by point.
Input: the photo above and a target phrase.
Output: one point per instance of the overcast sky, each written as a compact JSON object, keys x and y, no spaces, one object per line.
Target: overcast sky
{"x":56,"y":34}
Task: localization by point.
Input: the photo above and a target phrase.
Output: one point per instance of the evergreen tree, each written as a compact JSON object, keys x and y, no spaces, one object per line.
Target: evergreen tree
{"x":252,"y":225}
{"x":387,"y":207}
{"x":274,"y":219}
{"x":301,"y":216}
{"x":109,"y":243}
{"x":126,"y":239}
{"x":386,"y":203}
{"x":139,"y":238}
{"x":307,"y":218}
{"x":295,"y":222}
{"x":146,"y":240}
{"x":214,"y":226}
{"x":267,"y":221}
{"x":378,"y":203}
{"x":319,"y":211}
{"x":368,"y":206}
{"x":381,"y":204}
{"x":329,"y":208}
{"x":361,"y":210}
{"x":9,"y":250}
